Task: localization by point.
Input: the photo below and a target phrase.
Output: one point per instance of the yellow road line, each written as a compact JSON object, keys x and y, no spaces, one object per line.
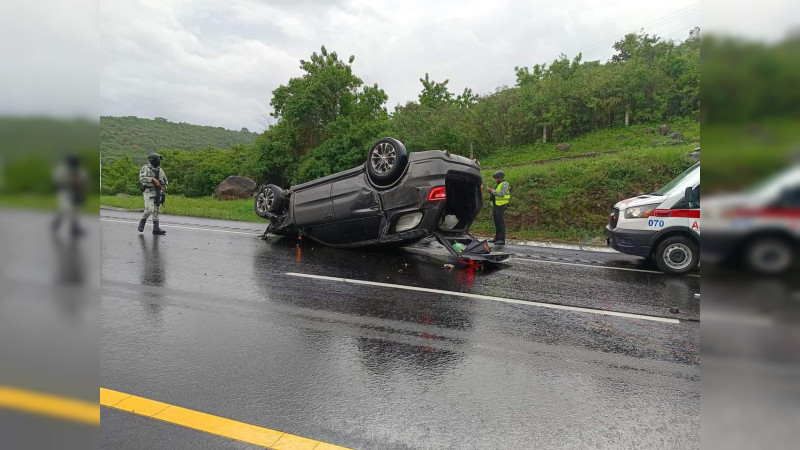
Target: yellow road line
{"x":208,"y":423}
{"x":49,"y":405}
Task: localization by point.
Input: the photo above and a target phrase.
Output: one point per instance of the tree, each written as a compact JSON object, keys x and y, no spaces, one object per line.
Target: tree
{"x":324,"y":121}
{"x":326,"y":91}
{"x":434,"y":94}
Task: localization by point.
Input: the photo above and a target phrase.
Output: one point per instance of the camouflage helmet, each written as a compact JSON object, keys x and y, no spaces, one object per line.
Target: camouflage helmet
{"x":154,"y":156}
{"x":499,"y":174}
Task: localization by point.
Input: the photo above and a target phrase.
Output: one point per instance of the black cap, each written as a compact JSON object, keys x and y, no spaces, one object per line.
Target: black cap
{"x":499,"y":174}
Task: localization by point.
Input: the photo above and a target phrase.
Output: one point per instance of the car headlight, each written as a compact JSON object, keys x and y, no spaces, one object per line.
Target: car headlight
{"x":640,"y":212}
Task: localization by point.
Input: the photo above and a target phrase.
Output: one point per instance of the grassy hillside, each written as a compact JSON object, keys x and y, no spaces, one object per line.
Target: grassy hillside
{"x":611,"y":140}
{"x":45,"y":136}
{"x":136,"y":137}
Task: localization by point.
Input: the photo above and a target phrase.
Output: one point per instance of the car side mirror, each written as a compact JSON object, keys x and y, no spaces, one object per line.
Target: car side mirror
{"x":689,"y":196}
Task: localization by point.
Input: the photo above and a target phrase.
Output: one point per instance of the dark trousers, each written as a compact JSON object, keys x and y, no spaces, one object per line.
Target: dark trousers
{"x":499,"y":215}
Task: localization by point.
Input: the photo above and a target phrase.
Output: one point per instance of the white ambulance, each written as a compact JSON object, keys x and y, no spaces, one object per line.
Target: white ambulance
{"x":759,"y":227}
{"x":663,"y":225}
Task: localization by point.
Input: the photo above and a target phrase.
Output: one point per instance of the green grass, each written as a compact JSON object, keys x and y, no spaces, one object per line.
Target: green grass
{"x":178,"y":205}
{"x":742,"y":155}
{"x":43,"y":202}
{"x":603,"y":141}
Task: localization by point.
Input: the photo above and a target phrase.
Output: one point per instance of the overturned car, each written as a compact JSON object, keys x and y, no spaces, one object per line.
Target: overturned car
{"x":394,"y":198}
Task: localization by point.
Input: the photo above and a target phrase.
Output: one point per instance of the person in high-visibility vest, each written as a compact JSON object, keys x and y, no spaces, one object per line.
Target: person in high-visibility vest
{"x":500,"y":197}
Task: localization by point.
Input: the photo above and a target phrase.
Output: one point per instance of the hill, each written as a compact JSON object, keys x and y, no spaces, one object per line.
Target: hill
{"x":46,"y":136}
{"x":137,"y":137}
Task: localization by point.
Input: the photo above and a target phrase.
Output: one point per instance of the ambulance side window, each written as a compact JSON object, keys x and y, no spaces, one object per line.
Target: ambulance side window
{"x":682,"y":202}
{"x":789,"y":198}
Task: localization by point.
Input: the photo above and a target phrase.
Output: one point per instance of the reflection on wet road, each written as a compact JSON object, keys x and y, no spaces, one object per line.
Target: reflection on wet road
{"x":207,"y":318}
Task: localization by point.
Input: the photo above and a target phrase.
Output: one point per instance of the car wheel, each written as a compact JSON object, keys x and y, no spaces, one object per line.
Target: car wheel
{"x":386,"y":161}
{"x":269,"y":201}
{"x":677,"y":255}
{"x":769,"y":255}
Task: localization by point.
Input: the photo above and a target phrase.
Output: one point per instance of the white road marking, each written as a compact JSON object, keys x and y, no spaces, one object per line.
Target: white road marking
{"x":489,"y":297}
{"x":595,"y":266}
{"x":185,"y":227}
{"x":735,"y":318}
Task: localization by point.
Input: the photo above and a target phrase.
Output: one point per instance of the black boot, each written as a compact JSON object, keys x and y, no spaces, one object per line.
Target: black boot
{"x":158,"y":231}
{"x":56,"y":223}
{"x":76,"y":230}
{"x":141,"y":225}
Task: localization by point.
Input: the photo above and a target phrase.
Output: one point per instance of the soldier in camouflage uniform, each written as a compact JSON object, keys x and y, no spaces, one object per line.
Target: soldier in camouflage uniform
{"x":71,"y":181}
{"x":152,"y":179}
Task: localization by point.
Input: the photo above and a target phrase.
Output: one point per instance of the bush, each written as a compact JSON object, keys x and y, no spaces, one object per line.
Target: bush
{"x":121,"y":176}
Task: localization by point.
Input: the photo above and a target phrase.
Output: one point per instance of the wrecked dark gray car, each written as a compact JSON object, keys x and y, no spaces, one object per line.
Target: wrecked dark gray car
{"x":394,"y":198}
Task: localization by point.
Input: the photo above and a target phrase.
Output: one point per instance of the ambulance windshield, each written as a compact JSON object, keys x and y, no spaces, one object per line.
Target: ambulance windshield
{"x":665,"y":190}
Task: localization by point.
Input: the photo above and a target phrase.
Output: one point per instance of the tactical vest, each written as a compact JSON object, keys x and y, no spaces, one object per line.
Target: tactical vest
{"x":501,"y":200}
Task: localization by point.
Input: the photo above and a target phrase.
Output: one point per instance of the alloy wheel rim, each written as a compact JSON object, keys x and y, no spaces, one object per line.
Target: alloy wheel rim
{"x":265,"y":201}
{"x":383,"y":158}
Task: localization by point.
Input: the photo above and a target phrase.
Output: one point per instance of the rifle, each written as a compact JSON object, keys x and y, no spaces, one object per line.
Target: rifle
{"x":161,"y":196}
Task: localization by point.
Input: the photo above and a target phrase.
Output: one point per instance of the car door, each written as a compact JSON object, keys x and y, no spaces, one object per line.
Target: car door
{"x":357,"y":214}
{"x":313,"y":208}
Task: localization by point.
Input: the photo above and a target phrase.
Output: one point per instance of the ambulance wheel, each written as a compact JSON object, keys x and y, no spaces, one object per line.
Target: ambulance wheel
{"x":677,"y":255}
{"x":769,"y":255}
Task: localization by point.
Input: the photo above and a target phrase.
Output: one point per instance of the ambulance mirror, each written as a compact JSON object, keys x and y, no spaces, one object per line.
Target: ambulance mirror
{"x":689,"y":196}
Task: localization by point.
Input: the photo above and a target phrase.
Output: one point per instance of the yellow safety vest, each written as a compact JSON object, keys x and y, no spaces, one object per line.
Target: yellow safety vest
{"x":501,"y":200}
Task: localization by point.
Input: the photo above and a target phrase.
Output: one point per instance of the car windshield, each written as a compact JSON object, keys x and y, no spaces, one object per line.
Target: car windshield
{"x":671,"y":185}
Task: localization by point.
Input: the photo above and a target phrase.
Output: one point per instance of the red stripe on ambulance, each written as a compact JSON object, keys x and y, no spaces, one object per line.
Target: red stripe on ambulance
{"x":687,"y":213}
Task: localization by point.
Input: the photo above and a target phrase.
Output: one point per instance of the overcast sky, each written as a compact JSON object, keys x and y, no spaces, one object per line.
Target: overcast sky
{"x":216,"y":63}
{"x":199,"y":62}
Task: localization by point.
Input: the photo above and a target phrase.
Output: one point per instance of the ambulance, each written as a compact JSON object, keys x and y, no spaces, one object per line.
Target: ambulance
{"x":663,"y":225}
{"x":758,"y":228}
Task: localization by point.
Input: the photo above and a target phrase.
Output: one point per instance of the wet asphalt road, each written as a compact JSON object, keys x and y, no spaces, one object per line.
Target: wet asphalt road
{"x":207,"y":318}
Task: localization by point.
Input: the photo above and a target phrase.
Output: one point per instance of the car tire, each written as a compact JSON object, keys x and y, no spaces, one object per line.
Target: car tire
{"x":269,"y":201}
{"x":769,"y":255}
{"x":677,"y":255}
{"x":386,"y":161}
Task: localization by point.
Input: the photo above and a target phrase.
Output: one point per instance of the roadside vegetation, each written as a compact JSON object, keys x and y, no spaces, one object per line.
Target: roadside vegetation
{"x":45,"y":202}
{"x":209,"y":207}
{"x":612,"y":140}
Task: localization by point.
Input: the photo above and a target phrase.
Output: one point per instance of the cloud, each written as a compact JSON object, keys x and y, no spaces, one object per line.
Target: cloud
{"x":212,"y":63}
{"x":50,"y":60}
